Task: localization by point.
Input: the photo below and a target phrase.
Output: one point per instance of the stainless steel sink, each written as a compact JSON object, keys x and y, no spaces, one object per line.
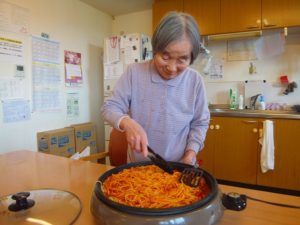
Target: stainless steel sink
{"x":254,"y":111}
{"x":223,"y":110}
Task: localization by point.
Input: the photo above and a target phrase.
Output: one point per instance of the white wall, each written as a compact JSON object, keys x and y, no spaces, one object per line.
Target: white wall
{"x":79,"y":28}
{"x":139,"y":22}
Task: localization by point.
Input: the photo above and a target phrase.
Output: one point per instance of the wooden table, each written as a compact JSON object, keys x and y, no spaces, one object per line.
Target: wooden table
{"x":27,"y":170}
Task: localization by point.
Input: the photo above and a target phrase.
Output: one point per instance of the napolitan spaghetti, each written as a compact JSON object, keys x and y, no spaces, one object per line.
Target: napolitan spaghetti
{"x":151,"y":187}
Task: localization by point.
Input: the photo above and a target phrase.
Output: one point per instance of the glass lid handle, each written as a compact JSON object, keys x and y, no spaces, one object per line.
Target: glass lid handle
{"x":21,"y":202}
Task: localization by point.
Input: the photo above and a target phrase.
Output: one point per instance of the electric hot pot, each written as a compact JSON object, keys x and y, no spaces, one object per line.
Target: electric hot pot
{"x":203,"y":212}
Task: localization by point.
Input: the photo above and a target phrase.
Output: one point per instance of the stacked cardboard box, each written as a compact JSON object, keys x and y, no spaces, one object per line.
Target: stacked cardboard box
{"x":67,"y":141}
{"x":85,"y":135}
{"x":57,"y":142}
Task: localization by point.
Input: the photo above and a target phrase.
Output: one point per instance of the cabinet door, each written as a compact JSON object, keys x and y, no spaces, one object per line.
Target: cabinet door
{"x":206,"y":13}
{"x":206,"y":155}
{"x":278,"y":13}
{"x":161,"y":7}
{"x":236,"y":147}
{"x":286,"y":173}
{"x":240,"y":15}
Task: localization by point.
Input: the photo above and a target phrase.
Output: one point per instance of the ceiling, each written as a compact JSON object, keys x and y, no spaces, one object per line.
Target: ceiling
{"x":120,"y":7}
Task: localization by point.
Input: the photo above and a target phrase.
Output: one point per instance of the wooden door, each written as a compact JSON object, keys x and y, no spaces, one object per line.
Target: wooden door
{"x":161,"y":7}
{"x":278,"y":13}
{"x":206,"y":13}
{"x":286,"y":173}
{"x":236,"y":147}
{"x":240,"y":15}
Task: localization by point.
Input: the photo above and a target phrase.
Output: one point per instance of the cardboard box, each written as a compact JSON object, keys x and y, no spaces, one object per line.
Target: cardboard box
{"x":57,"y":142}
{"x":85,"y":135}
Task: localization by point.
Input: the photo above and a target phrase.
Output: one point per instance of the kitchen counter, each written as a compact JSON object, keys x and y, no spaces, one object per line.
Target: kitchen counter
{"x":267,"y":114}
{"x":27,"y":170}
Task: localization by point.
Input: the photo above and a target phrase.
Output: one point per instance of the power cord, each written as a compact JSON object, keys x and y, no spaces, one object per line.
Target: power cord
{"x":274,"y":203}
{"x":237,"y":202}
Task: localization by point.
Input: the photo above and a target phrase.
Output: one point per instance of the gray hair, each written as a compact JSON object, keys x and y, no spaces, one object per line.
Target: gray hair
{"x":172,"y":27}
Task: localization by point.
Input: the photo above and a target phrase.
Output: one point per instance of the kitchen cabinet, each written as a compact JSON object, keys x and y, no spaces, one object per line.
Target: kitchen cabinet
{"x":278,"y":13}
{"x":227,"y":16}
{"x":206,"y":155}
{"x":232,"y":152}
{"x":206,"y":13}
{"x":161,"y":7}
{"x":231,"y":149}
{"x":286,"y":173}
{"x":240,"y":15}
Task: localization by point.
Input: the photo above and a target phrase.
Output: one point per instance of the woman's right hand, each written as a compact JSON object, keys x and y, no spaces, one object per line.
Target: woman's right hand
{"x":135,"y":135}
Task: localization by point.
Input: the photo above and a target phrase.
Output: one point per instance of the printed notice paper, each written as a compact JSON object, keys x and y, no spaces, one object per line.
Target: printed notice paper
{"x":44,"y":50}
{"x":46,"y":79}
{"x":14,"y":18}
{"x":15,"y":110}
{"x":112,"y":49}
{"x":72,"y":104}
{"x":11,"y":88}
{"x":11,"y":50}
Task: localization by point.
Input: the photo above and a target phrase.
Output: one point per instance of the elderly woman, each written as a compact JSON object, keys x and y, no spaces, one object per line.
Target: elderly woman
{"x":162,"y":102}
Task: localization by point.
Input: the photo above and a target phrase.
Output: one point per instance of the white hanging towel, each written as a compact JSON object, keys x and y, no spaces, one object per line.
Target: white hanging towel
{"x":267,"y":147}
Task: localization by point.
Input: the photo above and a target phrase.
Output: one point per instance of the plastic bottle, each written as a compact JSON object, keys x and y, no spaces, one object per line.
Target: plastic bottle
{"x":262,"y":103}
{"x":241,"y":102}
{"x":232,"y":98}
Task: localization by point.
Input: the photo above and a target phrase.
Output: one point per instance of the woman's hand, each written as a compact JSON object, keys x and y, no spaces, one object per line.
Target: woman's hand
{"x":135,"y":135}
{"x":189,"y":157}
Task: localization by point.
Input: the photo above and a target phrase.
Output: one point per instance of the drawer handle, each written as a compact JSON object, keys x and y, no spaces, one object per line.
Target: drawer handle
{"x":252,"y":27}
{"x":249,"y":121}
{"x":270,"y":25}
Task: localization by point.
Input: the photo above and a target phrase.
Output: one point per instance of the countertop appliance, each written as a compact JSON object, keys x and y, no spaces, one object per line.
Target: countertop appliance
{"x":205,"y":212}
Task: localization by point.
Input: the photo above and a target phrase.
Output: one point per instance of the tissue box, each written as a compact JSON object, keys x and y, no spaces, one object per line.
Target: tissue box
{"x":85,"y":135}
{"x":57,"y":142}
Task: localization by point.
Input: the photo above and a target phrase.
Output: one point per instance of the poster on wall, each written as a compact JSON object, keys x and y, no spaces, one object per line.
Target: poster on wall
{"x":15,"y":110}
{"x":14,"y":18}
{"x":73,"y":71}
{"x":113,"y":70}
{"x":11,"y":50}
{"x":72,"y":104}
{"x":46,"y":79}
{"x":11,"y":88}
{"x":45,"y":50}
{"x":112,"y":52}
{"x":238,"y":50}
{"x":132,"y":48}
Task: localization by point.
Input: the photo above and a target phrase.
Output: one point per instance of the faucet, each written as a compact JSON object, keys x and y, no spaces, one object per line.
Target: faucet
{"x":253,"y":100}
{"x":203,"y":49}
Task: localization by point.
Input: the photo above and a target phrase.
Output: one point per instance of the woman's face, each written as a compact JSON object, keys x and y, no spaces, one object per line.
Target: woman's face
{"x":175,"y":58}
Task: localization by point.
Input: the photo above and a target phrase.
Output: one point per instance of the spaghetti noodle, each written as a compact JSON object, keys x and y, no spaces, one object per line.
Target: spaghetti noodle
{"x":151,"y":187}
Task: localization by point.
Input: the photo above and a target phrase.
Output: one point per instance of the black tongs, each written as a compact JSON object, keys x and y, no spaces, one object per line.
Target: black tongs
{"x":191,"y":176}
{"x":159,"y":161}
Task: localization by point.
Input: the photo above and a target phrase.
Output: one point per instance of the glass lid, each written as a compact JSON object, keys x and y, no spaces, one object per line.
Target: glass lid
{"x":40,"y":207}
